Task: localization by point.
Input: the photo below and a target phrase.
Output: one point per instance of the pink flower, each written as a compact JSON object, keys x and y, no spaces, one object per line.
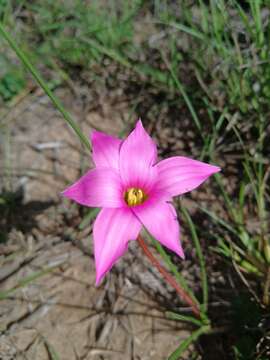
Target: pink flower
{"x":134,"y":190}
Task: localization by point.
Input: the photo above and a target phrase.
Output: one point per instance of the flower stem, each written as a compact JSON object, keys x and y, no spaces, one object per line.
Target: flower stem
{"x":168,"y":277}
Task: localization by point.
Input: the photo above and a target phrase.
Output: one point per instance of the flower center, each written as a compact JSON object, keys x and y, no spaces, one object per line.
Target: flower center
{"x":135,"y":196}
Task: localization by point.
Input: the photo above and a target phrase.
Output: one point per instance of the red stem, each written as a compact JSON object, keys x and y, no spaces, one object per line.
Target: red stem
{"x":168,"y":277}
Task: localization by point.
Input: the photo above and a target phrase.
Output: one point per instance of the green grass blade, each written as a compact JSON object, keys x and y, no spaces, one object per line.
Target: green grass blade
{"x":190,"y":319}
{"x":51,"y":351}
{"x":88,"y":217}
{"x":218,"y":220}
{"x":227,"y":200}
{"x":187,"y":29}
{"x":256,"y":13}
{"x":205,"y":16}
{"x":26,"y":62}
{"x":111,"y":53}
{"x":186,"y":343}
{"x":201,"y":259}
{"x":244,"y":17}
{"x":183,"y":92}
{"x":25,"y":281}
{"x":156,"y":75}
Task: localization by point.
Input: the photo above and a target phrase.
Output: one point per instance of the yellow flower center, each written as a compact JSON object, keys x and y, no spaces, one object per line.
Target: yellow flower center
{"x":135,"y":196}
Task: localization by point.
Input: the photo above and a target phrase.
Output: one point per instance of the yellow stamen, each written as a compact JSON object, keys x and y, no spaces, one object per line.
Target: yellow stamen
{"x":135,"y":196}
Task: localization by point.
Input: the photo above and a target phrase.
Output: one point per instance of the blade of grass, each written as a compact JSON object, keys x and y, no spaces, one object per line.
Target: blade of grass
{"x":201,"y":259}
{"x":88,"y":217}
{"x":27,"y":280}
{"x":51,"y":351}
{"x":187,"y":29}
{"x":228,"y":202}
{"x":182,"y":91}
{"x":111,"y":53}
{"x":7,"y":156}
{"x":142,"y":69}
{"x":220,"y":221}
{"x":26,"y":62}
{"x":244,"y":17}
{"x":186,"y":343}
{"x":190,"y":319}
{"x":256,"y":13}
{"x":204,"y":16}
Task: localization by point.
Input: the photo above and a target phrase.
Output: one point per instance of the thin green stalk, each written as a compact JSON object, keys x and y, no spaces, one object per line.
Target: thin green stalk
{"x":261,"y":188}
{"x":190,"y":319}
{"x":256,"y":13}
{"x":186,"y":343}
{"x":4,"y":294}
{"x":244,"y":17}
{"x":111,"y":53}
{"x":205,"y":17}
{"x":186,"y":29}
{"x":182,"y":90}
{"x":156,"y":75}
{"x":24,"y":59}
{"x":201,"y":259}
{"x":50,"y":349}
{"x":220,"y":221}
{"x":7,"y":158}
{"x":228,"y":202}
{"x":88,"y":217}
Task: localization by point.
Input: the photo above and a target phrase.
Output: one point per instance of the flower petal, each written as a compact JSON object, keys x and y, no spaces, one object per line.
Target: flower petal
{"x":100,"y":187}
{"x":179,"y":174}
{"x":160,"y":220}
{"x":105,"y":149}
{"x":113,"y":229}
{"x":138,"y":153}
